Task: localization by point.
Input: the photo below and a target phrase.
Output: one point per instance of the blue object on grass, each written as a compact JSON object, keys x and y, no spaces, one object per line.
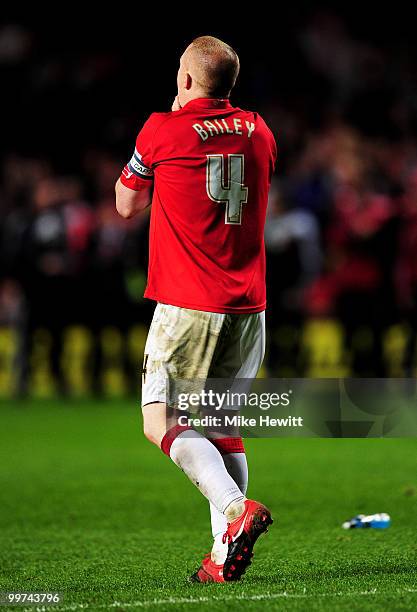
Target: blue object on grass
{"x":376,"y":521}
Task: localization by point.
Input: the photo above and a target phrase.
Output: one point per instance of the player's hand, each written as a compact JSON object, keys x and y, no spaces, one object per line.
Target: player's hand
{"x":176,"y":106}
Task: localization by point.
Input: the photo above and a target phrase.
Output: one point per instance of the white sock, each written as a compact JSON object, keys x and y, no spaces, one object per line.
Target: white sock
{"x":237,"y":466}
{"x":204,"y":466}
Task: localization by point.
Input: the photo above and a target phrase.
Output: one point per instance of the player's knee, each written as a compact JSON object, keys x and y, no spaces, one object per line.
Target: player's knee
{"x":154,"y":422}
{"x":150,"y":432}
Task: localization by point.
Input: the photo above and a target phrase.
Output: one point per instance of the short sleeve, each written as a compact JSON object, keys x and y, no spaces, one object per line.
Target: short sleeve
{"x":138,"y":172}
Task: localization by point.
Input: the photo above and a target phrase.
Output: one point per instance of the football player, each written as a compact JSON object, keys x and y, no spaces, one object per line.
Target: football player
{"x":206,"y":168}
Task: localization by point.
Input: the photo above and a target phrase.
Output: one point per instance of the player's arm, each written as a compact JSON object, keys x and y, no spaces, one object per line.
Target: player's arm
{"x":130,"y":201}
{"x":135,"y":185}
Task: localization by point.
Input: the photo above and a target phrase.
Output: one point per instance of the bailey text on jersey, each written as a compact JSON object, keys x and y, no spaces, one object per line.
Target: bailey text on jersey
{"x":216,"y":127}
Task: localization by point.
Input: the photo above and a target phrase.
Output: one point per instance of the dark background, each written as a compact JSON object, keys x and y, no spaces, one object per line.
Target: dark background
{"x":337,"y":85}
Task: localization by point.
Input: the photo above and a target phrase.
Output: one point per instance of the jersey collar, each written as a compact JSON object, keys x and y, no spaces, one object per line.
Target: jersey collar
{"x":208,"y":103}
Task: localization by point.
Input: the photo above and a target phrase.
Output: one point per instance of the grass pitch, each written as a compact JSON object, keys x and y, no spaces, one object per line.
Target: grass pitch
{"x":92,"y":510}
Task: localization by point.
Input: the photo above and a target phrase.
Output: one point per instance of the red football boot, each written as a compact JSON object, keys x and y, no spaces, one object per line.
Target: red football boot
{"x":241,"y":536}
{"x":208,"y":571}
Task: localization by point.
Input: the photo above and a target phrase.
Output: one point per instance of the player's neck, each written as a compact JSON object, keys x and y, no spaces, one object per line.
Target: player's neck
{"x":195,"y":96}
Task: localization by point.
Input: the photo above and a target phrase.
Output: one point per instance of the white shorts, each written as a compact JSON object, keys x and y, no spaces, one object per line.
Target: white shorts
{"x":193,"y":345}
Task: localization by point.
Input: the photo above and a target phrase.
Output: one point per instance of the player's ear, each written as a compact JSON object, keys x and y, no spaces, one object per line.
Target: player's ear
{"x":188,"y":81}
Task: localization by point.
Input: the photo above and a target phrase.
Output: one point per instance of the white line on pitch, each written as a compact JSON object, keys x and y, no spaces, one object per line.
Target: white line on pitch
{"x":213,"y":598}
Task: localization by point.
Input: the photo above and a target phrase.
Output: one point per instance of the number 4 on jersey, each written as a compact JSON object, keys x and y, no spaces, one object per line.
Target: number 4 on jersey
{"x":234,"y":194}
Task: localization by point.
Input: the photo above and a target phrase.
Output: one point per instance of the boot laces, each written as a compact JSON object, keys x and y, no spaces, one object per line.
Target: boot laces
{"x":227,"y":536}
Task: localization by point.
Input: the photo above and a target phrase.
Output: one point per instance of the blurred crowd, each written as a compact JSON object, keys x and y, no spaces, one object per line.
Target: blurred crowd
{"x":341,"y":233}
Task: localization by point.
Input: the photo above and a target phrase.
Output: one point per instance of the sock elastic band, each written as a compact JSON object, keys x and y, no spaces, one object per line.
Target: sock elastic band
{"x":228,"y":445}
{"x":170,"y":436}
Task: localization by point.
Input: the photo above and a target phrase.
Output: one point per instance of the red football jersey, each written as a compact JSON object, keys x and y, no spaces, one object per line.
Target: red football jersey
{"x":211,"y":165}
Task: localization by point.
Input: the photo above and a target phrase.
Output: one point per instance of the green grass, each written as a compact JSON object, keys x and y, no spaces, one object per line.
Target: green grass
{"x":90,"y":509}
